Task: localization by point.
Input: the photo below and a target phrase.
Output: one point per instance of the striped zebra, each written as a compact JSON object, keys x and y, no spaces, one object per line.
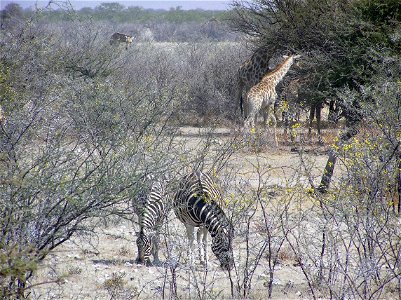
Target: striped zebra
{"x":151,"y":210}
{"x":196,"y":205}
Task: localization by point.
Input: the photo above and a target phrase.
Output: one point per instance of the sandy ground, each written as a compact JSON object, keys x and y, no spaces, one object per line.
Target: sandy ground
{"x":104,"y":267}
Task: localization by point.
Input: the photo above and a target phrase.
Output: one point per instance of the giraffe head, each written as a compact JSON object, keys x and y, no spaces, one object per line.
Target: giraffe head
{"x":292,"y":57}
{"x":290,"y":60}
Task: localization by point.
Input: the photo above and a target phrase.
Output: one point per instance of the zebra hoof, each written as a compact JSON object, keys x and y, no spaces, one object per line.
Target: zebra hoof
{"x":144,"y":263}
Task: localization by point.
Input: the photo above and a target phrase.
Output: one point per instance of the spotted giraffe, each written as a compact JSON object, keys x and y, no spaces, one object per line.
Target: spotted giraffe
{"x":250,"y":73}
{"x":263,"y":95}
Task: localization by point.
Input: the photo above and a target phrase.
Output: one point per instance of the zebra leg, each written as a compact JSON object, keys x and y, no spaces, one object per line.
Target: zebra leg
{"x":191,"y":239}
{"x":155,"y":249}
{"x":144,"y":243}
{"x":201,"y":237}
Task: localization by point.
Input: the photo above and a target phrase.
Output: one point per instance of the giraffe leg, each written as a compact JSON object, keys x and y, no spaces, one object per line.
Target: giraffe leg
{"x":274,"y":124}
{"x":265,"y":113}
{"x":286,"y":121}
{"x":253,"y":109}
{"x":250,"y":121}
{"x":268,"y":115}
{"x":311,"y":117}
{"x":319,"y":118}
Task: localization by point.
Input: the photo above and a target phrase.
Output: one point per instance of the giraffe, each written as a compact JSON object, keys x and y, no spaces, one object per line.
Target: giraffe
{"x":263,"y":95}
{"x":250,"y":73}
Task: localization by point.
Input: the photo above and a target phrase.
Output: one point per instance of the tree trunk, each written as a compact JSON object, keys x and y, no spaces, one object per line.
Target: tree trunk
{"x":331,"y":161}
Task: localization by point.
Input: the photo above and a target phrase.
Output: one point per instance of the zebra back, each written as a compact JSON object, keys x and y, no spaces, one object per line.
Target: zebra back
{"x":198,"y":200}
{"x":153,"y":210}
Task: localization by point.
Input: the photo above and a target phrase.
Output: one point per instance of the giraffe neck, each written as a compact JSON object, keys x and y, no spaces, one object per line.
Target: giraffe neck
{"x":279,"y":72}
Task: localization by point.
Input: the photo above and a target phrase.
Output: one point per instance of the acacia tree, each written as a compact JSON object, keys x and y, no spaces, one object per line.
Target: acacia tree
{"x":340,"y":40}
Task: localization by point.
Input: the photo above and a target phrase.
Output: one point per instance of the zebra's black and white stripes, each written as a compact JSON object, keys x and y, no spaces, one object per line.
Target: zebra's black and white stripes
{"x":196,"y":204}
{"x":151,"y":213}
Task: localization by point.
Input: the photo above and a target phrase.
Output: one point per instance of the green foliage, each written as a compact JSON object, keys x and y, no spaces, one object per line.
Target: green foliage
{"x":116,"y":12}
{"x":381,"y":13}
{"x":340,"y":39}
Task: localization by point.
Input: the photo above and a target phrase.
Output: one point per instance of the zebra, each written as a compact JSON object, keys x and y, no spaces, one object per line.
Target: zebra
{"x":196,"y":205}
{"x":151,"y":210}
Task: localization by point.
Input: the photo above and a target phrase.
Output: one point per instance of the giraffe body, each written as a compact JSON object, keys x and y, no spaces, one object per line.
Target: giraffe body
{"x":250,"y":73}
{"x":263,"y":95}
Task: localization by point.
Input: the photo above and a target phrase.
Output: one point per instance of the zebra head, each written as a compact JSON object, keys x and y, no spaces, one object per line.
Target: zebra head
{"x":144,"y":244}
{"x":222,"y":247}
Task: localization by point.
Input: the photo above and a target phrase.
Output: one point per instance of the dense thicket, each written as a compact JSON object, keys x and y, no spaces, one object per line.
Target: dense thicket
{"x":344,"y":45}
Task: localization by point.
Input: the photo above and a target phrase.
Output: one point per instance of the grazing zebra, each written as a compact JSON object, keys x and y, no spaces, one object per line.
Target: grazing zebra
{"x":151,"y":212}
{"x":196,"y":205}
